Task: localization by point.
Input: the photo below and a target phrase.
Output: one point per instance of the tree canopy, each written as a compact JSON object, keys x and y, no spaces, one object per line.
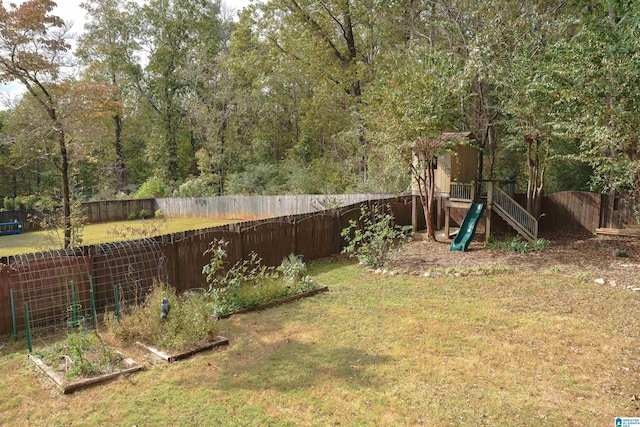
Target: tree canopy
{"x":301,"y":96}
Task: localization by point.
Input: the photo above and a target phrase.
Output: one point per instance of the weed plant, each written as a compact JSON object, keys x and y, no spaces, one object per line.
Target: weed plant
{"x":516,"y":244}
{"x":374,"y":237}
{"x":621,"y":253}
{"x":187,"y":326}
{"x":248,"y":283}
{"x":81,"y":354}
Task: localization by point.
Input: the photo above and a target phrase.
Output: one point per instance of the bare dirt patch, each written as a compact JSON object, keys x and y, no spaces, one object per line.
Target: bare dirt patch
{"x":615,"y":259}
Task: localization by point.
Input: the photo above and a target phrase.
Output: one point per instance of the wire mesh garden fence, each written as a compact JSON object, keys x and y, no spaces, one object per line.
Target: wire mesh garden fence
{"x":53,"y":292}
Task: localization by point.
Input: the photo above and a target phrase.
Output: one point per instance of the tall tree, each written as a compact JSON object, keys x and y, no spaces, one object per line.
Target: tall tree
{"x":602,"y":83}
{"x":209,"y":108}
{"x":413,"y":104}
{"x":108,"y":50}
{"x":322,"y":54}
{"x":33,"y":51}
{"x":528,"y":93}
{"x":170,"y":31}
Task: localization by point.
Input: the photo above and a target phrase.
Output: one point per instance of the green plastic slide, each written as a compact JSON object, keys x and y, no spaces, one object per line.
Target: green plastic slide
{"x":468,"y":228}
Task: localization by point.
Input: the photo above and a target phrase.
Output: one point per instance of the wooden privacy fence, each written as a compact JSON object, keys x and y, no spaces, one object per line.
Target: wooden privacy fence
{"x":581,"y":211}
{"x":571,"y":212}
{"x":103,"y":211}
{"x":117,"y":210}
{"x":132,"y":266}
{"x":219,"y":207}
{"x":258,"y":207}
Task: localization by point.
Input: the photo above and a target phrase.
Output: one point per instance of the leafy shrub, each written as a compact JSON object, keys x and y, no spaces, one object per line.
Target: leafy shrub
{"x":516,"y":244}
{"x":144,"y":214}
{"x":293,"y":271}
{"x":196,"y":187}
{"x":158,"y":214}
{"x":374,"y":237}
{"x":151,"y":188}
{"x":262,"y":178}
{"x":132,"y":216}
{"x":224,"y":287}
{"x":248,"y":283}
{"x":292,"y":268}
{"x":621,"y":253}
{"x":187,"y":326}
{"x":32,"y":201}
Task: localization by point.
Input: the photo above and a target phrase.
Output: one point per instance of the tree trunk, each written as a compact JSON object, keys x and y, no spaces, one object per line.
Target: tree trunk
{"x":431,"y":191}
{"x":536,"y":161}
{"x":172,"y":146}
{"x":66,"y":196}
{"x":222,"y":166}
{"x":49,"y":105}
{"x":426,"y":190}
{"x":121,"y":175}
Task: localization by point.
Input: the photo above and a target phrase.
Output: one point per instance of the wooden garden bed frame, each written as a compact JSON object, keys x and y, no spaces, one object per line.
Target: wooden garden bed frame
{"x":185,"y":354}
{"x":274,"y":303}
{"x":70,"y":386}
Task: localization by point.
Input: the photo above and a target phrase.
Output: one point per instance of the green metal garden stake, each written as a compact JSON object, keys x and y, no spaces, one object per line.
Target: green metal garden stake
{"x":115,"y":295}
{"x":73,"y":306}
{"x":13,"y":315}
{"x":26,"y":316}
{"x":93,"y":304}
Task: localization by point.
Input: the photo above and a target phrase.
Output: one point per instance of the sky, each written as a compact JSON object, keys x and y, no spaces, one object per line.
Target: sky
{"x":70,"y":11}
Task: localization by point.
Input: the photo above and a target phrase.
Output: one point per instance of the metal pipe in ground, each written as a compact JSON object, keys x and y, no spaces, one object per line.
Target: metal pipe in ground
{"x":117,"y":297}
{"x":93,"y":303}
{"x":13,"y":314}
{"x":26,"y":316}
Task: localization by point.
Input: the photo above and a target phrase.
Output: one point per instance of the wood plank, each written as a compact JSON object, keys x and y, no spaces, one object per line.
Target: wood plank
{"x":70,"y":387}
{"x":619,"y":232}
{"x":170,"y":358}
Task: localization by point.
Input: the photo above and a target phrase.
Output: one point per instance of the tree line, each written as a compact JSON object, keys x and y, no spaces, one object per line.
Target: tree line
{"x":174,"y":97}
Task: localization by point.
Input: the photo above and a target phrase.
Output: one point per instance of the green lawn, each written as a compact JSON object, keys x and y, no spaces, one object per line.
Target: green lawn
{"x":511,"y":349}
{"x":101,"y":233}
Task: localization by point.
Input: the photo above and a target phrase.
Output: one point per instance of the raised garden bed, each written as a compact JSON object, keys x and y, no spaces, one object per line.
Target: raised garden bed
{"x":274,"y":303}
{"x":179,"y":355}
{"x":69,"y":385}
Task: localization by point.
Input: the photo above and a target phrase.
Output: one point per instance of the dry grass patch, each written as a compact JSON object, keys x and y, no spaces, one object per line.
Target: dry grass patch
{"x":101,"y":233}
{"x":513,"y":349}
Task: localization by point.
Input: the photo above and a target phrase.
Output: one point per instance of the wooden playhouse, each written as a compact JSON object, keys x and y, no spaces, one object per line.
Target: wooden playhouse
{"x":458,"y":186}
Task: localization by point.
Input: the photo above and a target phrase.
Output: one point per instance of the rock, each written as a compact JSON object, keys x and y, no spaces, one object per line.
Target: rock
{"x":393,"y":273}
{"x":377,"y":271}
{"x":426,"y":274}
{"x":612,"y":283}
{"x":599,"y":281}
